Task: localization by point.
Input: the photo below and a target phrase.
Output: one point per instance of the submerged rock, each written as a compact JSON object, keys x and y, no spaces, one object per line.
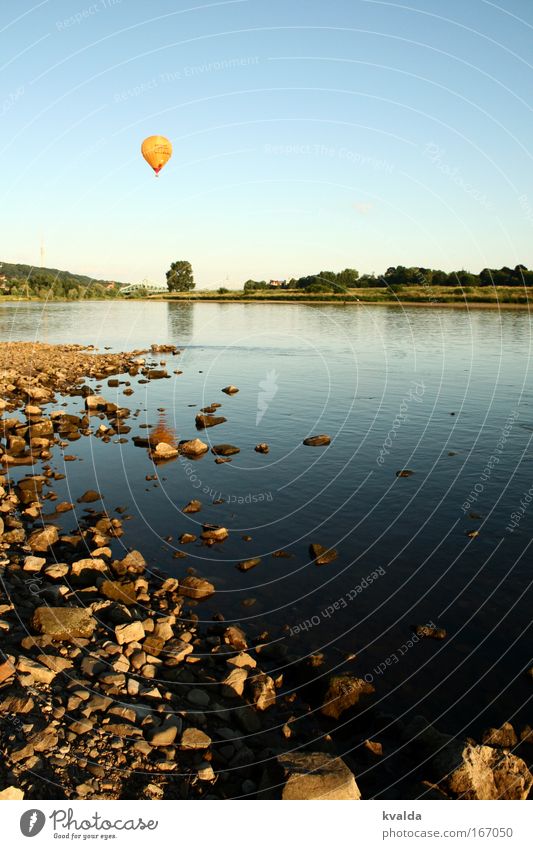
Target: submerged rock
{"x":262,"y":448}
{"x":214,"y":533}
{"x":204,"y":421}
{"x":321,"y":439}
{"x":245,"y":565}
{"x":230,"y":390}
{"x":427,"y":631}
{"x":193,"y":506}
{"x":225,"y":450}
{"x":322,"y":555}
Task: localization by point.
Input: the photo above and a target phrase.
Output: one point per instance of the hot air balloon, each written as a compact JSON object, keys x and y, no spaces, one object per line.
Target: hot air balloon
{"x":157,"y":150}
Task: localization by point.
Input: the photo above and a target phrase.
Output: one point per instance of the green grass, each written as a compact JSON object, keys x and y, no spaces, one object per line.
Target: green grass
{"x":408,"y":294}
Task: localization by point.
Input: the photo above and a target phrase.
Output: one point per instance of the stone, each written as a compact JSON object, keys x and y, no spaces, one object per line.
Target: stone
{"x":64,"y":623}
{"x":230,"y":390}
{"x":206,"y":773}
{"x":193,"y":738}
{"x":165,"y":734}
{"x":197,"y":697}
{"x":116,"y":591}
{"x":45,"y":740}
{"x":42,"y":539}
{"x":429,"y":632}
{"x":92,"y":563}
{"x":11,"y":794}
{"x":176,"y":652}
{"x":193,"y":506}
{"x":89,"y":497}
{"x":33,"y":564}
{"x":246,"y":565}
{"x":56,"y":664}
{"x":262,"y":448}
{"x":7,"y":670}
{"x":225,"y":449}
{"x":344,"y":691}
{"x":122,"y":729}
{"x":204,"y":421}
{"x":163,"y":631}
{"x":404,"y":473}
{"x":481,"y":772}
{"x":133,"y":562}
{"x":321,"y":439}
{"x":64,"y":507}
{"x":263,"y":691}
{"x":36,"y":671}
{"x":56,"y":571}
{"x":193,"y":447}
{"x":129,"y":633}
{"x":214,"y":533}
{"x":95,"y":402}
{"x":242,"y":660}
{"x":82,"y":726}
{"x":185,"y":539}
{"x":316,"y":776}
{"x":233,"y":684}
{"x":322,"y":555}
{"x":235,"y":637}
{"x":504,"y":737}
{"x":193,"y":587}
{"x":164,"y":451}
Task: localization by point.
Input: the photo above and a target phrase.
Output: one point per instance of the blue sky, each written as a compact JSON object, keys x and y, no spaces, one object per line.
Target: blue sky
{"x":308,"y":135}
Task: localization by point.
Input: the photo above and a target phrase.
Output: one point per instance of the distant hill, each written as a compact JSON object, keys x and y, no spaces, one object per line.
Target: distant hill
{"x":19,"y":271}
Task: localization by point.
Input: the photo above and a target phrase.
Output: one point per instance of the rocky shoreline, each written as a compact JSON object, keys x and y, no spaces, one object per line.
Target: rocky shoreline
{"x":111,"y":687}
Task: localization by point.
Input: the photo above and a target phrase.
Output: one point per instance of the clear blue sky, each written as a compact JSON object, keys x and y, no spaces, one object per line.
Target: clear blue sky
{"x":308,"y":135}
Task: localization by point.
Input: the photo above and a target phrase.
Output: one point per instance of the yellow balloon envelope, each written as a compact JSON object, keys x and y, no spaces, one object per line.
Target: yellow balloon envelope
{"x":157,"y":150}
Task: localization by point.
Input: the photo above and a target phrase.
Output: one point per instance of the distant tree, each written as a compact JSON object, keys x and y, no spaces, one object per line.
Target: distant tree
{"x":348,"y":279}
{"x":222,"y":290}
{"x":440,"y":278}
{"x":327,"y":277}
{"x":255,"y":285}
{"x":180,"y":277}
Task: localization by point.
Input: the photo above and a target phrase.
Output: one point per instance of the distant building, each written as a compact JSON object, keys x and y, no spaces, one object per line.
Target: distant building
{"x":144,"y":285}
{"x":277,"y":284}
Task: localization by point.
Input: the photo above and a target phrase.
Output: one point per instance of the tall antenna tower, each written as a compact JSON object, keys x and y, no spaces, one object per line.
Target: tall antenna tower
{"x":42,"y":252}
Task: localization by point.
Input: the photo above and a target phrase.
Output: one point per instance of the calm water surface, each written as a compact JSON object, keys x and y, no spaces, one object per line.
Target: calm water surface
{"x":436,"y":391}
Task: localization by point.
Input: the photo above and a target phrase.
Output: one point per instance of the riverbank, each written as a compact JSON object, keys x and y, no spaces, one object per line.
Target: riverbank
{"x":498,"y":298}
{"x":113,"y":684}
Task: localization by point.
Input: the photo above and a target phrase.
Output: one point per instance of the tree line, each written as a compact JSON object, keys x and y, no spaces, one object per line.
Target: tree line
{"x":397,"y":277}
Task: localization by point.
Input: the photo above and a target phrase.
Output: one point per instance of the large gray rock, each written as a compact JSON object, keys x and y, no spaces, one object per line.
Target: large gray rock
{"x":63,"y":623}
{"x":316,"y":776}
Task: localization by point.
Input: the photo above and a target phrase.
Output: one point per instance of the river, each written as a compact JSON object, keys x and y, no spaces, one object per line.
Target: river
{"x":445,"y":393}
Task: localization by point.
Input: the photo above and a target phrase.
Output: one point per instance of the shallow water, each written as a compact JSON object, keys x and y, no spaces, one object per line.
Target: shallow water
{"x":435,"y":391}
